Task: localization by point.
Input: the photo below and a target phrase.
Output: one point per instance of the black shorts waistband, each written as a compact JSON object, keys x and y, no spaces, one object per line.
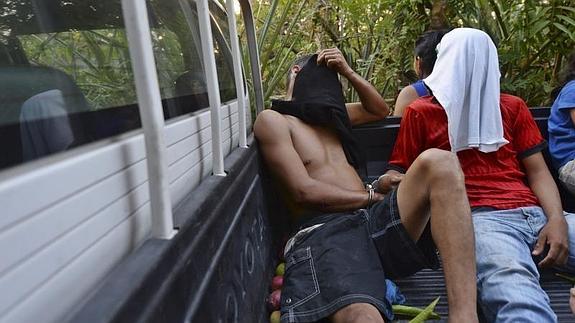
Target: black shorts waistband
{"x":309,"y":219}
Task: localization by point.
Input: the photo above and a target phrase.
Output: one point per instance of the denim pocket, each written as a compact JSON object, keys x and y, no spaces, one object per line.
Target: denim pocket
{"x":535,"y":218}
{"x":301,"y":282}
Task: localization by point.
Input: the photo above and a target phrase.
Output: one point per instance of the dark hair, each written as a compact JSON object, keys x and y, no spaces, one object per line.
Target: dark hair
{"x":425,"y":49}
{"x":568,"y":76}
{"x":299,"y":61}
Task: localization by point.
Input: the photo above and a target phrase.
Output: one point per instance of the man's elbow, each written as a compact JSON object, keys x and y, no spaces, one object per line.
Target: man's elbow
{"x":302,"y":197}
{"x":382,"y":111}
{"x":306,"y":195}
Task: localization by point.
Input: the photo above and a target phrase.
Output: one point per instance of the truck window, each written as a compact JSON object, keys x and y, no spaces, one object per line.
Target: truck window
{"x":66,"y":77}
{"x":98,"y":62}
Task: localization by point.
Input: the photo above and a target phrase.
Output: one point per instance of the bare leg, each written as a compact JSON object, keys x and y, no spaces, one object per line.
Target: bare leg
{"x":357,"y":313}
{"x":435,"y":182}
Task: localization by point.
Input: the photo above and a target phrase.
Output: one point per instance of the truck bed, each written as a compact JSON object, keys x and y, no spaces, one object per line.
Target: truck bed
{"x":219,"y":266}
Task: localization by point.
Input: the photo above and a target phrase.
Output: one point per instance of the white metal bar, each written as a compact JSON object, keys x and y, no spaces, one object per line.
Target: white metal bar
{"x":150,"y":105}
{"x":253,"y":53}
{"x":237,"y":58}
{"x":213,"y":86}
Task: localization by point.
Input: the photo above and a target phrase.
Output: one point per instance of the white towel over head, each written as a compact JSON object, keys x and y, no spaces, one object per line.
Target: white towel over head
{"x":465,"y":81}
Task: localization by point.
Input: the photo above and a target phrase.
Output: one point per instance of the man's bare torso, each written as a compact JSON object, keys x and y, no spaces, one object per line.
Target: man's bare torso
{"x":322,"y":154}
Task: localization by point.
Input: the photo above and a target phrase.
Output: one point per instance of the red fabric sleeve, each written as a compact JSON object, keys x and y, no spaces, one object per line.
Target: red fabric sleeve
{"x":410,"y":141}
{"x":527,"y":138}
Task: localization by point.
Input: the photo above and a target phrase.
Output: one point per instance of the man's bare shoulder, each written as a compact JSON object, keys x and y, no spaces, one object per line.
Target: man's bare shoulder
{"x":270,"y":125}
{"x":406,"y":96}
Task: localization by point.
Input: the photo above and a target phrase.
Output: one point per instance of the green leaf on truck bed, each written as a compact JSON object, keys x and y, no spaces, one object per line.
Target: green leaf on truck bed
{"x":570,"y":279}
{"x":410,"y":311}
{"x":426,"y":313}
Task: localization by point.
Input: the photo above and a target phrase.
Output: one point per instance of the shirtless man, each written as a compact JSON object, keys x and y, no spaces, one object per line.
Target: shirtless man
{"x":351,"y":238}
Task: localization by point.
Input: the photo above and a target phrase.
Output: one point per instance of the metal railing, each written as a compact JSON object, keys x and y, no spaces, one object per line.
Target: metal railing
{"x":239,"y":78}
{"x":213,"y":86}
{"x":150,"y":105}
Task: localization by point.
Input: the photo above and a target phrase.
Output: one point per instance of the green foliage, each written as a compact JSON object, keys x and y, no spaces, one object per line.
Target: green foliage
{"x":98,"y":61}
{"x":377,"y":38}
{"x":93,"y":48}
{"x":533,"y":38}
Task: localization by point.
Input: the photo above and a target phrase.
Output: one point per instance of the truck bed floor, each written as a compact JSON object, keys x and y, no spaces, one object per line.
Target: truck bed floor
{"x":423,"y":287}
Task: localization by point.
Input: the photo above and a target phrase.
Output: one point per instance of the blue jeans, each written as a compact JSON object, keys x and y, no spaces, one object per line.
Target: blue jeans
{"x":507,"y":276}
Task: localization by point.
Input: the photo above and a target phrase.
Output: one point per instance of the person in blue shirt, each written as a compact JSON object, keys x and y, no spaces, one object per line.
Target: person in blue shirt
{"x":425,"y":56}
{"x":562,"y":127}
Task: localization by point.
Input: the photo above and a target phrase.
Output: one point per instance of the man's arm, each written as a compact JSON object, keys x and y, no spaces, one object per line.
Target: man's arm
{"x":554,"y":233}
{"x":372,"y":106}
{"x":573,"y":116}
{"x":273,"y":134}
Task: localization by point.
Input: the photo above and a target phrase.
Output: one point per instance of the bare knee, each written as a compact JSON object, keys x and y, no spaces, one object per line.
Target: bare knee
{"x":441,"y":165}
{"x":438,"y":159}
{"x":357,"y":313}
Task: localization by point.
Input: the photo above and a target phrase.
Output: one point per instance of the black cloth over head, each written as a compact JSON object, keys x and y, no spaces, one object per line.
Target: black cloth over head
{"x":318,"y":100}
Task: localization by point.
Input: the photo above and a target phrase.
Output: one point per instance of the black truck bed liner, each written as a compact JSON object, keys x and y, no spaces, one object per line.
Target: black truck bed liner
{"x":423,"y":287}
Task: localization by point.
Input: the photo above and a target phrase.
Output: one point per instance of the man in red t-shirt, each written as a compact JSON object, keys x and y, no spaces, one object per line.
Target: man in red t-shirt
{"x":515,"y":203}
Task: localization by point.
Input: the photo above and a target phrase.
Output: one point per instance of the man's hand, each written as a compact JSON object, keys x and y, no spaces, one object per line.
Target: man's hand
{"x":377,"y":197}
{"x":387,"y":182}
{"x":554,"y":234}
{"x":334,"y":59}
{"x":372,"y":106}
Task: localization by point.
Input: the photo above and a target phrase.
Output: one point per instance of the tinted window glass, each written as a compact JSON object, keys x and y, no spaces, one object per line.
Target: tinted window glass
{"x":65,"y":76}
{"x":98,"y":62}
{"x":177,"y":51}
{"x":179,"y":61}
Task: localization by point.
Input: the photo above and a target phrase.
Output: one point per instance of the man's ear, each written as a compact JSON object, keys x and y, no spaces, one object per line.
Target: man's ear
{"x":417,"y":66}
{"x":295,"y":69}
{"x":292,"y":75}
